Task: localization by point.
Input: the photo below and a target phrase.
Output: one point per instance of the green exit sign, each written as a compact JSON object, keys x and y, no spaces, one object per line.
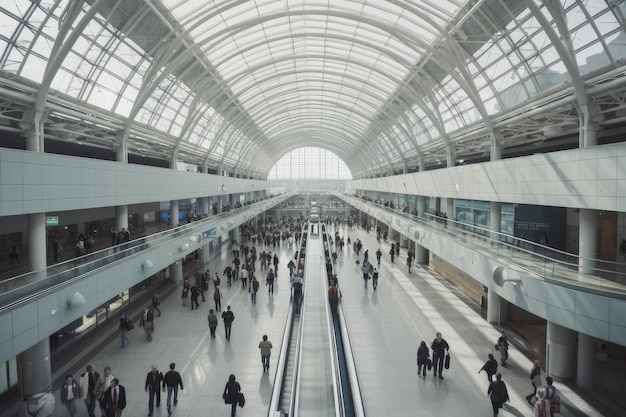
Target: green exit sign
{"x":52,"y":220}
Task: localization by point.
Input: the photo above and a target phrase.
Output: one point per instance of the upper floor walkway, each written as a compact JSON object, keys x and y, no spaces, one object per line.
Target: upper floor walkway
{"x":547,"y":282}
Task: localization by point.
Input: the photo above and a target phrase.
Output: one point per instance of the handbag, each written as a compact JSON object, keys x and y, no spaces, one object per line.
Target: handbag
{"x":241,"y":400}
{"x":446,"y":362}
{"x":496,"y":347}
{"x":429,"y":364}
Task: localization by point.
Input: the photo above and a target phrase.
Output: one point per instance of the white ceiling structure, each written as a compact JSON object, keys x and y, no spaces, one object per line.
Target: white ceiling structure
{"x":233,"y":85}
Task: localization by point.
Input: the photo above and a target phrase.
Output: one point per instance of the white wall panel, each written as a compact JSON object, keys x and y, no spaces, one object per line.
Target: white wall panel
{"x":591,"y":178}
{"x":57,"y":182}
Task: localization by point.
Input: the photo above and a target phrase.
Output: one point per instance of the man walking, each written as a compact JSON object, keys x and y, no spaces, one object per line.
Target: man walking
{"x":153,"y":383}
{"x":172,"y":380}
{"x":269,"y":281}
{"x":115,"y":399}
{"x":228,"y":318}
{"x":266,"y":350}
{"x":439,"y":348}
{"x":87,"y":387}
{"x":255,"y":288}
{"x":503,"y":348}
{"x":104,"y":382}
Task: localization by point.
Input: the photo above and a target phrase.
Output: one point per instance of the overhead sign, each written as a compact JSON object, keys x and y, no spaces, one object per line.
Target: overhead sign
{"x":52,"y":220}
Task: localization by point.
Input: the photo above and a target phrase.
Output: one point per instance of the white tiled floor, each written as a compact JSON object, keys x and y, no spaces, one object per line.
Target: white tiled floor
{"x":385,"y":328}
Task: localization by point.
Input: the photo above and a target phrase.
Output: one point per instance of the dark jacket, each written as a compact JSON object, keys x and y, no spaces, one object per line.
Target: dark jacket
{"x":231,"y":392}
{"x":172,"y":378}
{"x":422,"y":355}
{"x":497,"y":392}
{"x":107,"y":402}
{"x":65,"y":389}
{"x":228,"y":317}
{"x":154,"y":379}
{"x":438,"y":347}
{"x":491,"y":366}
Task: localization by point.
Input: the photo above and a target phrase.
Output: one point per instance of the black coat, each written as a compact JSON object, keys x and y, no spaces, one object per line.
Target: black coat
{"x":422,"y":355}
{"x":497,"y":392}
{"x":231,"y":392}
{"x":107,"y":401}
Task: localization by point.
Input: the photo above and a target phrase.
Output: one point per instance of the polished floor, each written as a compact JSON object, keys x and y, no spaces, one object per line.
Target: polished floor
{"x":385,"y":327}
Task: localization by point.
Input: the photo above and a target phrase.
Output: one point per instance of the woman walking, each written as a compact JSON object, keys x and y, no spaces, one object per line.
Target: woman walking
{"x":231,"y":394}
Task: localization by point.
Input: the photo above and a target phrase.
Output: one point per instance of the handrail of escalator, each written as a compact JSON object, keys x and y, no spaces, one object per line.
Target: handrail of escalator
{"x":512,"y":243}
{"x":357,"y":399}
{"x":36,"y":283}
{"x":281,"y":365}
{"x":338,"y":385}
{"x":355,"y":387}
{"x":279,"y":379}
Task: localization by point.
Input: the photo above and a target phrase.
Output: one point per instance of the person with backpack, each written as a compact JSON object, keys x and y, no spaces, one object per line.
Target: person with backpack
{"x":497,"y":392}
{"x":552,"y":396}
{"x":542,"y":406}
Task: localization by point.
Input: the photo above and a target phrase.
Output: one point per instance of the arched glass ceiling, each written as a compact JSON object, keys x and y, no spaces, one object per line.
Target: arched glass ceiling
{"x":310,"y":163}
{"x":234,"y":84}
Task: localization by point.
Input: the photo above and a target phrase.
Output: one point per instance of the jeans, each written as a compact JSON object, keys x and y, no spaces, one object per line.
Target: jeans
{"x":266,"y":362}
{"x":124,"y":337}
{"x":71,"y":406}
{"x":253,"y":295}
{"x":169,"y":395}
{"x":227,"y":329}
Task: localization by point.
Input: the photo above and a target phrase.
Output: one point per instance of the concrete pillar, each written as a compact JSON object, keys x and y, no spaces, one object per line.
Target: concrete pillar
{"x":496,"y":220}
{"x":585,"y":361}
{"x":34,"y":371}
{"x":235,"y":235}
{"x":561,"y":351}
{"x":174,"y":213}
{"x":587,"y":240}
{"x":121,"y":217}
{"x":497,"y":308}
{"x":206,"y":206}
{"x":37,"y":241}
{"x":421,"y":254}
{"x":204,"y":256}
{"x":176,"y":272}
{"x":448,"y":206}
{"x":421,"y":205}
